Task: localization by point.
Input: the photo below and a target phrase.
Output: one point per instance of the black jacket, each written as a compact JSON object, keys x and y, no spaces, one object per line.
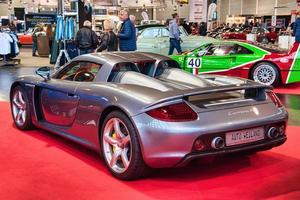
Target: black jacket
{"x":109,"y":42}
{"x":86,"y":38}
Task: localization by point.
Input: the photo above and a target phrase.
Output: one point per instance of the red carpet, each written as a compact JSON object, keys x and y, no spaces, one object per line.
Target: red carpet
{"x":293,"y":88}
{"x":39,"y":165}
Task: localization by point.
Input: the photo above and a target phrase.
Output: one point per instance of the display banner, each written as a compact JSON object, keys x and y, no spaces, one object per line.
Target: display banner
{"x":273,"y":20}
{"x":31,"y":20}
{"x":198,"y":11}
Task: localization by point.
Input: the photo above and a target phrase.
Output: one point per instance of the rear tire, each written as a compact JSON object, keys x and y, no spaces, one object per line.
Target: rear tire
{"x":265,"y":73}
{"x":20,"y":109}
{"x":120,"y":147}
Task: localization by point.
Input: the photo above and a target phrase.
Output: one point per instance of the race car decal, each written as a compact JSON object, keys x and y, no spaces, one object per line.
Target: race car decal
{"x":195,"y":64}
{"x":198,"y":70}
{"x":294,"y":73}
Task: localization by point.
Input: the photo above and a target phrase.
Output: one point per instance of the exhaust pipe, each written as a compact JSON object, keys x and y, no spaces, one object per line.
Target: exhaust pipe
{"x":218,"y":143}
{"x":273,"y":133}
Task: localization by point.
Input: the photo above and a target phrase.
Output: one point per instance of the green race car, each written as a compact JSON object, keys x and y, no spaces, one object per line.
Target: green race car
{"x":268,"y":66}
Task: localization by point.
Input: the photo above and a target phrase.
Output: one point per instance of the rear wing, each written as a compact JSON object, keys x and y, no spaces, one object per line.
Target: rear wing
{"x":185,"y":94}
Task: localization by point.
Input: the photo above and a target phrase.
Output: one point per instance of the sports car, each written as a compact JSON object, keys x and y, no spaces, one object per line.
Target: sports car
{"x":269,"y":66}
{"x":26,"y":38}
{"x":263,"y":35}
{"x":141,"y":111}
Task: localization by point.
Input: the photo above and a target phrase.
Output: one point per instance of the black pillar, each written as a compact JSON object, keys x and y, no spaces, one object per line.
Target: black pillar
{"x":83,"y":13}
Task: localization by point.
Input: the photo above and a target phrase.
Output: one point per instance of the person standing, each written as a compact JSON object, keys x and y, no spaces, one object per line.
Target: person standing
{"x":296,"y":30}
{"x":202,"y":29}
{"x":127,"y":33}
{"x":86,"y":39}
{"x":174,"y":35}
{"x":109,"y":40}
{"x":37,"y":30}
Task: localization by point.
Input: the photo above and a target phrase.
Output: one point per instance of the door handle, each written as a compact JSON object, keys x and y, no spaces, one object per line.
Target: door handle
{"x":72,"y":95}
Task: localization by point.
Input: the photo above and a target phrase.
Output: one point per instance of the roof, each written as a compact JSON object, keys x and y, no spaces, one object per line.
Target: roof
{"x":117,"y":57}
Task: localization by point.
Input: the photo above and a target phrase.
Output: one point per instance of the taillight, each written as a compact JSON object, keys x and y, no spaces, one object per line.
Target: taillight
{"x":275,"y":99}
{"x":179,"y":112}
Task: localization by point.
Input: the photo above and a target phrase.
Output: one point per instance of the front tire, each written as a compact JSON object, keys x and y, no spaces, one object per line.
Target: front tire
{"x":20,"y":109}
{"x":120,"y":147}
{"x":265,"y":73}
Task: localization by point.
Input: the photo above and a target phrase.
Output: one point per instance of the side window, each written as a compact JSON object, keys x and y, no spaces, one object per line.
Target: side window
{"x":165,"y":32}
{"x":220,"y":50}
{"x":242,"y":50}
{"x":151,"y":33}
{"x":79,"y":71}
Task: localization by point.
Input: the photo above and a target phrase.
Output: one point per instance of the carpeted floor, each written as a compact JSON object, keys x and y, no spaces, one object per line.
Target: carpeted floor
{"x":39,"y":165}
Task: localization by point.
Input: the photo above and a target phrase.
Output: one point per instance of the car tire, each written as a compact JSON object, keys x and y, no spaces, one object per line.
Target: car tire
{"x":265,"y":73}
{"x":118,"y":148}
{"x":20,"y":109}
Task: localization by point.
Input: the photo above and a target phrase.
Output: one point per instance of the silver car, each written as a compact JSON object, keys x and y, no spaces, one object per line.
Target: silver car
{"x":156,"y":40}
{"x":141,"y":111}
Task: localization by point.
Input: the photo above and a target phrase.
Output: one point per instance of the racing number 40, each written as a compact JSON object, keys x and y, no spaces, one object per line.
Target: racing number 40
{"x":194,"y":63}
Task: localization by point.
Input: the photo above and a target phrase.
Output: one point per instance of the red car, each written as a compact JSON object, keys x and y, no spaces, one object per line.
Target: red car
{"x":262,"y":63}
{"x":263,"y":35}
{"x":25,"y":38}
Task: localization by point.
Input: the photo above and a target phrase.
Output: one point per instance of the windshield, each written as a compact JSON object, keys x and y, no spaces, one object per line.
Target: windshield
{"x":183,"y":31}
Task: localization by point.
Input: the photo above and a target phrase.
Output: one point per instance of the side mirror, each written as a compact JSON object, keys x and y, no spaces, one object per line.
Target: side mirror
{"x":44,"y":72}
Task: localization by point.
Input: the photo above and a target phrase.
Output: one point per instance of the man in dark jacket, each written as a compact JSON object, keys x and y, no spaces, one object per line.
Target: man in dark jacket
{"x":202,"y":29}
{"x":86,"y":39}
{"x":296,"y":30}
{"x":127,"y":33}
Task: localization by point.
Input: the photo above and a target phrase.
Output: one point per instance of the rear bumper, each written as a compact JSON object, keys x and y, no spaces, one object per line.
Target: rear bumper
{"x":256,"y":147}
{"x":170,"y":144}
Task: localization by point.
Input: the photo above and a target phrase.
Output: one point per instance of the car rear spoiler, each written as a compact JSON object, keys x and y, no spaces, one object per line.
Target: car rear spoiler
{"x":209,"y":90}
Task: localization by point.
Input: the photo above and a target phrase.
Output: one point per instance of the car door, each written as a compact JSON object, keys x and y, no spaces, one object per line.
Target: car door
{"x":214,"y":58}
{"x":58,"y":97}
{"x":219,"y":57}
{"x":149,"y":40}
{"x":164,"y":41}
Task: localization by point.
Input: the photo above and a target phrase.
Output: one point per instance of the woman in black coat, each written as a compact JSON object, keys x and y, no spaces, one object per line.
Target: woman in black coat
{"x":109,"y":40}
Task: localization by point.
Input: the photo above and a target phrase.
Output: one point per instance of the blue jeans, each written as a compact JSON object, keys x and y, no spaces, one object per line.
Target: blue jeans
{"x":85,"y":51}
{"x":174,"y":43}
{"x":34,"y":47}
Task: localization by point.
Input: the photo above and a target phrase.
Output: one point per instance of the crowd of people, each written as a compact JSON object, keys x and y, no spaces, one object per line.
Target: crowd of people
{"x":123,"y":37}
{"x":124,"y":40}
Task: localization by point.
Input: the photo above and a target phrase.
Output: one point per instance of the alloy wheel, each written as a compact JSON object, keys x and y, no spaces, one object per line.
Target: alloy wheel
{"x":264,"y":74}
{"x":19,"y":108}
{"x":117,"y":145}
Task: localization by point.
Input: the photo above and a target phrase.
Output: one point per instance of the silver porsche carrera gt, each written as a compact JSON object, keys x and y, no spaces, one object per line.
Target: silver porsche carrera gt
{"x":141,"y":111}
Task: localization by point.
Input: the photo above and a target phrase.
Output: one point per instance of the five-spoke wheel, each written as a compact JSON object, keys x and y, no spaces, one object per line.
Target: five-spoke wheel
{"x":120,"y":147}
{"x":117,"y":145}
{"x":20,"y":108}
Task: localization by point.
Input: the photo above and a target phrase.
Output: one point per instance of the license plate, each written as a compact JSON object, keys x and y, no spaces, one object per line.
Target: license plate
{"x":244,"y":136}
